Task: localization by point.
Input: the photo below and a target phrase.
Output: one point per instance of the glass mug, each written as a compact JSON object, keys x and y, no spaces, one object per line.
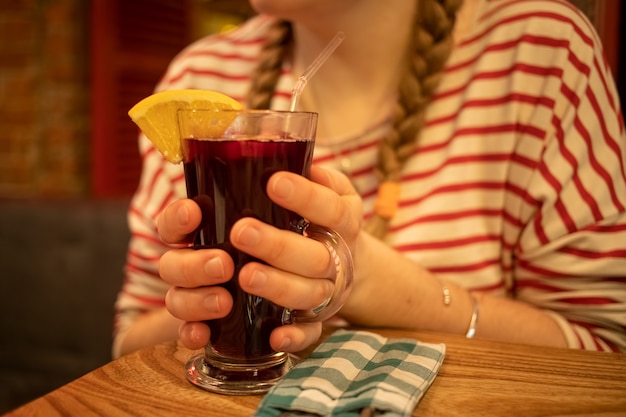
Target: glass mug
{"x":226,"y":174}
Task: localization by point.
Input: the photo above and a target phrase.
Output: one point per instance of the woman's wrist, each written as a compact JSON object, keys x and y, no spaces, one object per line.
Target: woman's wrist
{"x":447,"y":300}
{"x":147,"y":329}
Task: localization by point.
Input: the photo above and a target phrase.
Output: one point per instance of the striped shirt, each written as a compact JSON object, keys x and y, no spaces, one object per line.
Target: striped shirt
{"x":517,"y":186}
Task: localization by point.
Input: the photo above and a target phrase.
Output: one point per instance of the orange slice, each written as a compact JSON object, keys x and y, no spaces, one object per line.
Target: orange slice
{"x":156,"y":116}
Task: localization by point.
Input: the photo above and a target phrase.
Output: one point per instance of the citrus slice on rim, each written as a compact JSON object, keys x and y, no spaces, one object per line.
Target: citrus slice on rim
{"x":156,"y":116}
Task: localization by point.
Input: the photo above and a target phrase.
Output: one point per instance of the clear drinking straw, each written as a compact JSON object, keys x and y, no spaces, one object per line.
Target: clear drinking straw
{"x":312,"y":69}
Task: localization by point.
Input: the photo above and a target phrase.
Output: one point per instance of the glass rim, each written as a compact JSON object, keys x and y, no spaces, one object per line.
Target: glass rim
{"x":250,"y":111}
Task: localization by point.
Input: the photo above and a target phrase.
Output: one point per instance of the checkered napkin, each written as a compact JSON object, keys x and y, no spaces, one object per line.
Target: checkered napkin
{"x":355,"y":372}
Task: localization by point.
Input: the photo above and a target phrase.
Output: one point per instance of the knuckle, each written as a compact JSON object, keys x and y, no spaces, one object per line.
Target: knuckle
{"x":321,"y":292}
{"x":326,"y":268}
{"x":277,"y":249}
{"x":343,"y":218}
{"x":171,"y":302}
{"x":165,"y":268}
{"x":186,"y":271}
{"x":273,"y":247}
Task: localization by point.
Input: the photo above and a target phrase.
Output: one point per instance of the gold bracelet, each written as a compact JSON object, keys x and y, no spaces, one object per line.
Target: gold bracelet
{"x":471,"y":331}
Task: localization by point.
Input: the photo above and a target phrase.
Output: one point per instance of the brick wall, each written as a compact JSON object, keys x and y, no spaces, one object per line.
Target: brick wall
{"x":44,"y":110}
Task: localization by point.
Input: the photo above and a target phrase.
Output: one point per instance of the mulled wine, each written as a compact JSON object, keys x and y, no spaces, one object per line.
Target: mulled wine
{"x":228,"y":178}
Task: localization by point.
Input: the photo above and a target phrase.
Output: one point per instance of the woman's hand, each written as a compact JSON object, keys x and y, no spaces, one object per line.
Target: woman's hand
{"x":295,"y":264}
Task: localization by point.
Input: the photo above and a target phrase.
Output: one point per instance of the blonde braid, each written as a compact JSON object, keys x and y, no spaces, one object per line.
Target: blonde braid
{"x":431,"y":46}
{"x":268,"y":72}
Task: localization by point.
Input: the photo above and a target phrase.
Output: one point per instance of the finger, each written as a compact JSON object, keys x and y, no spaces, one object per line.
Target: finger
{"x":283,"y":288}
{"x":190,"y":268}
{"x":291,"y":338}
{"x":333,"y":179}
{"x":204,"y":303}
{"x":178,"y":221}
{"x":318,"y":203}
{"x":295,"y":337}
{"x":194,"y":335}
{"x":282,"y":249}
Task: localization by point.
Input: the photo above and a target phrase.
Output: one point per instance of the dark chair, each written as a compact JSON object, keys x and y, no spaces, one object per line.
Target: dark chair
{"x":61,"y":266}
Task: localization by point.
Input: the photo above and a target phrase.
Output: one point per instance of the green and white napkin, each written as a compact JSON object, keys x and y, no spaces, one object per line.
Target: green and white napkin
{"x":354,"y":372}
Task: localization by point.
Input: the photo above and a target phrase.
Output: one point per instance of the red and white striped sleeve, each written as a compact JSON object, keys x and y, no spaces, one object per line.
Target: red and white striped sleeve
{"x":571,"y":256}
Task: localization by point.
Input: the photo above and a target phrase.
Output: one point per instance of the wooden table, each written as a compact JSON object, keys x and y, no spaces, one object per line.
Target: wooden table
{"x":477,"y":378}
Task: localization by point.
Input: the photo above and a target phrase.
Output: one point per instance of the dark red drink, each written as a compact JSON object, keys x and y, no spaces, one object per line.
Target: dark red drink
{"x":228,"y":178}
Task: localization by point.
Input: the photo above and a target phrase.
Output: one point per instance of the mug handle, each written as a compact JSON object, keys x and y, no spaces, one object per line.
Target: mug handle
{"x":340,"y":253}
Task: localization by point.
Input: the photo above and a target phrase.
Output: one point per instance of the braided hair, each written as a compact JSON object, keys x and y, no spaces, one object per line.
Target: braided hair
{"x":430,"y":48}
{"x":265,"y":78}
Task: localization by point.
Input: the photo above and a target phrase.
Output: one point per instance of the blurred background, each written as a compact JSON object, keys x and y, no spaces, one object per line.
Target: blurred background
{"x":69,"y":72}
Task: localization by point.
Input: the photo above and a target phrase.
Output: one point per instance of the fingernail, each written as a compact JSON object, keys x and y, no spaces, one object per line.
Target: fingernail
{"x":249,"y":236}
{"x":182,"y":215}
{"x":285,"y":344}
{"x":283,"y":187}
{"x":214,"y":268}
{"x":212,"y":303}
{"x":257,"y":280}
{"x":193,"y":334}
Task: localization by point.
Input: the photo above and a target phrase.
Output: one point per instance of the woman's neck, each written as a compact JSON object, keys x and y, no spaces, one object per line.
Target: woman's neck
{"x":358,"y":84}
{"x":374,"y":29}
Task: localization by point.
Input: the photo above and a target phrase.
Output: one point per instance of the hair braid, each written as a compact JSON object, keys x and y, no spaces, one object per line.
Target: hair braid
{"x":431,"y":46}
{"x":271,"y":59}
